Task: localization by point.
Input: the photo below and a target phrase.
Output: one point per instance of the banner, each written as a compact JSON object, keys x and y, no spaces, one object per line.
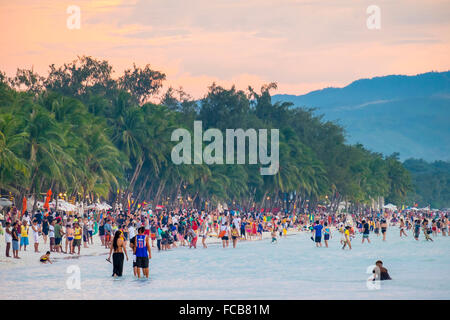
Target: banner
{"x":47,"y":199}
{"x":24,"y":205}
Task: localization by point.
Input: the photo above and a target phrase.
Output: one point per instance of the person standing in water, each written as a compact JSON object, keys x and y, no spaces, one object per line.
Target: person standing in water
{"x":133,"y":248}
{"x":274,"y":235}
{"x":225,"y":232}
{"x":426,"y":230}
{"x":204,"y":229}
{"x":383,"y":228}
{"x":119,"y":249}
{"x":346,"y":240}
{"x":377,"y":228}
{"x":234,"y":235}
{"x":326,"y":234}
{"x":317,"y":233}
{"x":143,"y":253}
{"x":402,"y":228}
{"x":417,"y":229}
{"x":366,"y":231}
{"x":444,"y":226}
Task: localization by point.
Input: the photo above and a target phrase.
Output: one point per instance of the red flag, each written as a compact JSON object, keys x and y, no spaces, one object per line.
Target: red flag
{"x":24,"y":205}
{"x":47,"y":199}
{"x":129,"y":205}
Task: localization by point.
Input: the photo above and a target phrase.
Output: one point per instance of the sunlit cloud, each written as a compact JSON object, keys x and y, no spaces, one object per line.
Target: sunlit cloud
{"x":301,"y":45}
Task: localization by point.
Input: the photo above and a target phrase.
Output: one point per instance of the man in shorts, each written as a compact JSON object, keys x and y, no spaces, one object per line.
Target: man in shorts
{"x":318,"y":234}
{"x":143,"y":252}
{"x":58,"y":235}
{"x":77,"y":237}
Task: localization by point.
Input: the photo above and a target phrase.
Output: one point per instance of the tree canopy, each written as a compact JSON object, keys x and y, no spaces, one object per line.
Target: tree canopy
{"x":81,"y":132}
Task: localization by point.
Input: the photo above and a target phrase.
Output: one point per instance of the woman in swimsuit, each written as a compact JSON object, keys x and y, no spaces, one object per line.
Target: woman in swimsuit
{"x":383,"y":229}
{"x":234,"y":235}
{"x":402,"y":227}
{"x":326,"y":234}
{"x":69,"y":239}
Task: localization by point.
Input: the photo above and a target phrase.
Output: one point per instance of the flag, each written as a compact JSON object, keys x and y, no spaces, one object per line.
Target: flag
{"x":129,"y":204}
{"x":24,"y":205}
{"x":47,"y":199}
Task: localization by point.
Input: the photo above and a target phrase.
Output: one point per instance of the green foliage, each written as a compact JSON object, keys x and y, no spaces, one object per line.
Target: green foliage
{"x":89,"y":135}
{"x":431,"y":183}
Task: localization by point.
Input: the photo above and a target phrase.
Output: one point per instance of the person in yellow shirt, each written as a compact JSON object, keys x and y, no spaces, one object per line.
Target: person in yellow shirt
{"x":24,"y":235}
{"x":77,"y":237}
{"x":347,"y":238}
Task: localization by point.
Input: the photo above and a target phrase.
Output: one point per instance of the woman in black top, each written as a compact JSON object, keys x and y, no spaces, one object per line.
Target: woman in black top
{"x":45,"y":228}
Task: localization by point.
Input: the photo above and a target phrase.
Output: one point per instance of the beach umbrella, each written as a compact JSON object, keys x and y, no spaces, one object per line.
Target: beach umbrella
{"x":5,"y":202}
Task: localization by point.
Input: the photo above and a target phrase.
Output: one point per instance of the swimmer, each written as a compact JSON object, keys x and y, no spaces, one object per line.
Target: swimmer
{"x":380,"y":272}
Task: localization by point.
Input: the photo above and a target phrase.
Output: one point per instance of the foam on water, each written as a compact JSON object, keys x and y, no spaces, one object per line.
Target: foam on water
{"x":291,"y":269}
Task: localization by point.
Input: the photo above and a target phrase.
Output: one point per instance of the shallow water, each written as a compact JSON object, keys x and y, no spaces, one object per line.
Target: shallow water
{"x":291,"y":269}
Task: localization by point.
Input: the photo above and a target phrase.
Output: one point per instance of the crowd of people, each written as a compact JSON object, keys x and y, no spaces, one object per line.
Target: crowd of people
{"x":142,"y":230}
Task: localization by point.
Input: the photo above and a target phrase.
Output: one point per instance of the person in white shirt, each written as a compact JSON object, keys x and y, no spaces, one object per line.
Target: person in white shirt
{"x":36,"y":230}
{"x":8,"y":238}
{"x":51,"y":235}
{"x":237,"y":222}
{"x":131,"y":230}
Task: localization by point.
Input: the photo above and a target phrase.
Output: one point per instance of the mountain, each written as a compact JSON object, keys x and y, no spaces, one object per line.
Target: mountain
{"x":396,"y":113}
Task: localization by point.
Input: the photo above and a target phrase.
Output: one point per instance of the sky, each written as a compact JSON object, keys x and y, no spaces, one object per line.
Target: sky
{"x":303,"y":45}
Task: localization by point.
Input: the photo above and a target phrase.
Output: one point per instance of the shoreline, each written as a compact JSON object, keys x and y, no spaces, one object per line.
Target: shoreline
{"x":31,"y":258}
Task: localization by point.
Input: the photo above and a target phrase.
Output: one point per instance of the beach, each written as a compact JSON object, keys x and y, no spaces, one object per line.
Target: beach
{"x":293,"y":268}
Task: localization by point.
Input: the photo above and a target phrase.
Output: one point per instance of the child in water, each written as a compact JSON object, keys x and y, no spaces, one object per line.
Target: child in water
{"x":274,"y":235}
{"x":45,"y":258}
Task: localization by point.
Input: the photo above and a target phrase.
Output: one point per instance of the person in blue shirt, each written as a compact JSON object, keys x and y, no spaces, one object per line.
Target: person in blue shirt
{"x":318,"y":234}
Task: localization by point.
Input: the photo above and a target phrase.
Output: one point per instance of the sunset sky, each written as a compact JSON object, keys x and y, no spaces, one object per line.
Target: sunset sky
{"x":302,"y":45}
